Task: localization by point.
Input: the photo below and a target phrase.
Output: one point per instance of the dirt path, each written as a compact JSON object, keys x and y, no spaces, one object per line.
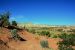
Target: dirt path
{"x":29,"y":44}
{"x":32,"y":41}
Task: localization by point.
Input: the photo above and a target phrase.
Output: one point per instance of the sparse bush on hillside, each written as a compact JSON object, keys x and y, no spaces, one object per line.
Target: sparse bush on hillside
{"x":14,"y":34}
{"x":14,"y":23}
{"x":32,"y":31}
{"x":44,"y":43}
{"x":45,"y":33}
{"x":48,"y":33}
{"x":63,"y":35}
{"x":64,"y":47}
{"x":73,"y":30}
{"x":53,"y":35}
{"x":68,"y":40}
{"x":4,"y":19}
{"x":60,"y":30}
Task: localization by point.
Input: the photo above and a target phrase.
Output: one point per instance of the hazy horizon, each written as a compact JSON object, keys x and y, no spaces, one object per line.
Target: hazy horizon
{"x":55,"y":12}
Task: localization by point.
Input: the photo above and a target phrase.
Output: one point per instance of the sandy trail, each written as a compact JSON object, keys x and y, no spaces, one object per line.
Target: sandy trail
{"x":31,"y":43}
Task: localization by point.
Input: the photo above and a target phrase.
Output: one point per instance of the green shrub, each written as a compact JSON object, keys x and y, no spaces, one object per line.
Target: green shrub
{"x":64,"y":47}
{"x":60,"y":30}
{"x":14,"y":23}
{"x":73,"y":30}
{"x":63,"y":36}
{"x":45,"y":33}
{"x":14,"y":34}
{"x":44,"y":43}
{"x":67,"y":41}
{"x":32,"y":31}
{"x":4,"y":19}
{"x":54,"y":36}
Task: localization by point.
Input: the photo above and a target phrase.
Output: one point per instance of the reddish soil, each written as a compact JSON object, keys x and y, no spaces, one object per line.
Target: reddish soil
{"x":32,"y":41}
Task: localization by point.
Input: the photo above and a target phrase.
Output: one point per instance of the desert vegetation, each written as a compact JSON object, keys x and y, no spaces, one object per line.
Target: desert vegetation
{"x":4,"y":22}
{"x":33,"y":35}
{"x":44,"y":43}
{"x":68,"y":40}
{"x":66,"y":35}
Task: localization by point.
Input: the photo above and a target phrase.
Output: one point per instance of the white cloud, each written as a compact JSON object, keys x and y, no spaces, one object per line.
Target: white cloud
{"x":17,"y":17}
{"x":12,"y":18}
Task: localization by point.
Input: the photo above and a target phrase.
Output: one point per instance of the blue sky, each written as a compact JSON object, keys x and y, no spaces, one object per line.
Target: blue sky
{"x":56,"y":12}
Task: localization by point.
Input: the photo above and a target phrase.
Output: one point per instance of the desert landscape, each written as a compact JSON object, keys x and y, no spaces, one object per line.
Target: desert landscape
{"x":37,"y":25}
{"x":30,"y":37}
